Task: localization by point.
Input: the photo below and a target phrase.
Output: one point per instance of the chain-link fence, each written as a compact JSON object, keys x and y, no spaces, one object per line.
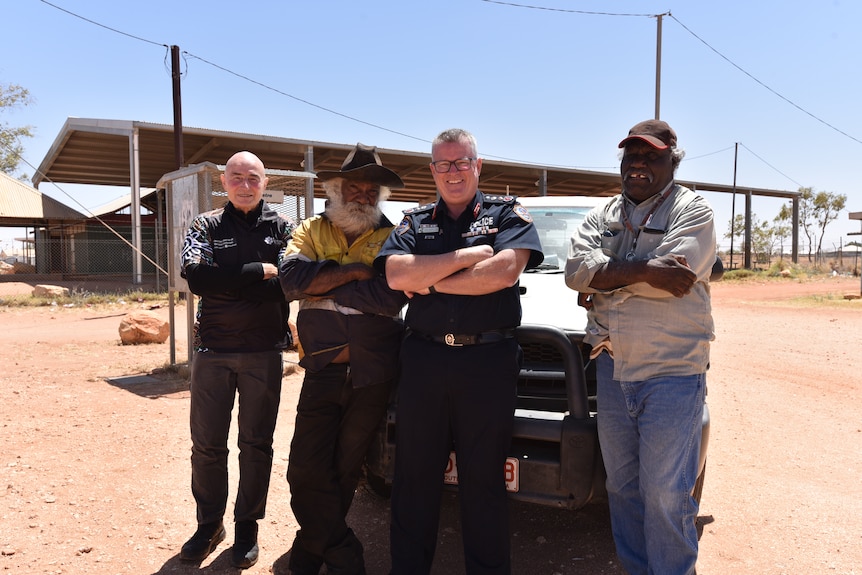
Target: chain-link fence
{"x":101,"y":249}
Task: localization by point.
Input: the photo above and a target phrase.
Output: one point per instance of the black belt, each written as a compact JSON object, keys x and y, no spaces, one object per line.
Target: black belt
{"x":457,"y":340}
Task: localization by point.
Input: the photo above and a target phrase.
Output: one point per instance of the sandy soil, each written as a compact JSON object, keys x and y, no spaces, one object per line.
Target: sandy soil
{"x":94,"y":450}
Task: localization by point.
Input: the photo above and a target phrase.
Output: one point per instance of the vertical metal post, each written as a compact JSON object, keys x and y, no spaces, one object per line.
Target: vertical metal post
{"x":794,"y":256}
{"x":747,"y":238}
{"x":157,"y":238}
{"x":658,"y":67}
{"x":733,"y":204}
{"x":309,"y":183}
{"x":135,"y":207}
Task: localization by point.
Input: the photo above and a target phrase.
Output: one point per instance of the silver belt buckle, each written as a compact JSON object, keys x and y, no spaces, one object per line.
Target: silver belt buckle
{"x":449,"y":338}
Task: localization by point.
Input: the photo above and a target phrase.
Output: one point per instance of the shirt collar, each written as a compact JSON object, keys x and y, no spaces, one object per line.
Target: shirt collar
{"x":650,"y":199}
{"x":473,"y":208}
{"x":250,"y":217}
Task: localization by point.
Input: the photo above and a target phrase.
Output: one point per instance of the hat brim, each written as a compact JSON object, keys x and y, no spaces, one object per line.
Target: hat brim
{"x":370,"y":173}
{"x":651,"y":140}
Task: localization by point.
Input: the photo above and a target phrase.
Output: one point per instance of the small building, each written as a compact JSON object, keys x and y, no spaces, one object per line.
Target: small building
{"x":50,"y":227}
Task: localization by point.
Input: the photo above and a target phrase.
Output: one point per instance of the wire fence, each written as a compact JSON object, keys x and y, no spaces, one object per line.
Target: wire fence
{"x":843,"y":260}
{"x":96,"y":254}
{"x":103,"y":248}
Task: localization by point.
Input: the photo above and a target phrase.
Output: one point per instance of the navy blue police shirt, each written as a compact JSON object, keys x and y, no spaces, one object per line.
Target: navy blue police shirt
{"x":498,"y":221}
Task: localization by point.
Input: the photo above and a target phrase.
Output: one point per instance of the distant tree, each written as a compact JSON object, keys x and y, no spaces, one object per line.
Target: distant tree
{"x":781,"y":232}
{"x":827,"y":207}
{"x":762,"y":241}
{"x":816,"y":211}
{"x":736,"y":231}
{"x":11,"y":150}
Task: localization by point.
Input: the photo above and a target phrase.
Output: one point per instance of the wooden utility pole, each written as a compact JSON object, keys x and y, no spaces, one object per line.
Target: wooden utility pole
{"x":178,"y":106}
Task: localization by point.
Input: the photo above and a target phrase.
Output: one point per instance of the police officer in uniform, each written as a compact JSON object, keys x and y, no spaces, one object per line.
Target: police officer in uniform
{"x":458,"y":260}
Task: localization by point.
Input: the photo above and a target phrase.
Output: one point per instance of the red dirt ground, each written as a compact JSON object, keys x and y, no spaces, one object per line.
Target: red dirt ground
{"x":94,"y":458}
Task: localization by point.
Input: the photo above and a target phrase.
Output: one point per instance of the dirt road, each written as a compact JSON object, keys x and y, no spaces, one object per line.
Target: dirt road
{"x":94,"y":458}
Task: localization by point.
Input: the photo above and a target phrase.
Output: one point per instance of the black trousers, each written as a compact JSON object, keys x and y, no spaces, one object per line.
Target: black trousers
{"x":466,"y":394}
{"x":335,"y":424}
{"x":216,"y":379}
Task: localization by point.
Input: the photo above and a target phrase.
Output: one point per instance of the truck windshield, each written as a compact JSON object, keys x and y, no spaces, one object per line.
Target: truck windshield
{"x":556,"y":226}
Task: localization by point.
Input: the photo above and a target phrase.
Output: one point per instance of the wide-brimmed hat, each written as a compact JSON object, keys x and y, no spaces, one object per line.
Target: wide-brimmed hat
{"x":656,"y":133}
{"x":363,"y":164}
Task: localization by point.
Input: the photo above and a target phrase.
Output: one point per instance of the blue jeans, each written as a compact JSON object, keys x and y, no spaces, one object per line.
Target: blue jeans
{"x":650,"y":432}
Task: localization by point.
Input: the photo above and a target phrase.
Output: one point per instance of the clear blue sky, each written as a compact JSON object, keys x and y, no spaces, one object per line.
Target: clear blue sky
{"x":550,"y":86}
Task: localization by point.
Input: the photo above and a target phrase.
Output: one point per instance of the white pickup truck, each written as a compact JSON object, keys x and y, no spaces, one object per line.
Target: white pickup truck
{"x":554,"y":458}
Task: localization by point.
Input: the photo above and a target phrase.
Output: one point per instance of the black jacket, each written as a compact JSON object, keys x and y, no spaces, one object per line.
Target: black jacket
{"x":238,"y":311}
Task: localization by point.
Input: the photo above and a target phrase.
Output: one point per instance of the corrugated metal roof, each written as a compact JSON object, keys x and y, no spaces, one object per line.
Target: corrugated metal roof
{"x":23,"y":205}
{"x":122,"y":203}
{"x":97,"y":151}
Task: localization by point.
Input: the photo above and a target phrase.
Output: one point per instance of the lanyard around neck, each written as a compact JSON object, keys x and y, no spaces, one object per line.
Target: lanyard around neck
{"x":636,"y":232}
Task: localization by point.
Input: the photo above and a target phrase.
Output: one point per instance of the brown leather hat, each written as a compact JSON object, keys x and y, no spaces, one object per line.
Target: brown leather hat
{"x":364,"y":165}
{"x":656,"y":133}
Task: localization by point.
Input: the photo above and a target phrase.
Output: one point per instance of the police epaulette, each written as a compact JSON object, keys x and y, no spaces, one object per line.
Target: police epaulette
{"x":418,"y":209}
{"x":501,"y":199}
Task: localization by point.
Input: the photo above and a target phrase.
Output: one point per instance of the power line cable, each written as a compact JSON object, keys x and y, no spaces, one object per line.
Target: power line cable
{"x":704,"y":42}
{"x":587,"y":12}
{"x":424,"y":140}
{"x":707,"y":154}
{"x":187,"y":54}
{"x":298,"y":99}
{"x":102,"y":25}
{"x":729,"y":61}
{"x":770,"y":165}
{"x":87,"y":211}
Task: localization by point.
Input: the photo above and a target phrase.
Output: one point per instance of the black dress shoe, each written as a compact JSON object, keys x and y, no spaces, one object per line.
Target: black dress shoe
{"x":245,"y":551}
{"x":302,"y":562}
{"x":203,"y":542}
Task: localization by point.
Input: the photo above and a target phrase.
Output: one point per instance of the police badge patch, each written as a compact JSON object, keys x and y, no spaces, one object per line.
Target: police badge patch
{"x":403,"y":227}
{"x":523,"y":213}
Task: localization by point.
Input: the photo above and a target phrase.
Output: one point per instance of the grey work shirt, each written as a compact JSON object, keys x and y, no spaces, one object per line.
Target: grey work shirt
{"x":651,"y":332}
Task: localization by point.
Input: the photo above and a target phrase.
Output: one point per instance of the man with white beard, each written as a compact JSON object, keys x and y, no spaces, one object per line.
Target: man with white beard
{"x":349,"y":338}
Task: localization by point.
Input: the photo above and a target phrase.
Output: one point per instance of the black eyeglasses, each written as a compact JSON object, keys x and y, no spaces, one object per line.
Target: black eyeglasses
{"x":461,"y":164}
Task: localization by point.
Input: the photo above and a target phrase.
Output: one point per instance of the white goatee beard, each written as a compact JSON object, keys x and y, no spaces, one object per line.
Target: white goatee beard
{"x":352,"y":218}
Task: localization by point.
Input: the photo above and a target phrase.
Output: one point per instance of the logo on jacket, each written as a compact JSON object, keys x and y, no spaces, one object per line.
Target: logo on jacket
{"x":481,"y":227}
{"x":403,"y":227}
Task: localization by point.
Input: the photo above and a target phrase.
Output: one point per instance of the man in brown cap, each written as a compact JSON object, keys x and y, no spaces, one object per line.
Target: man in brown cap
{"x":349,"y":337}
{"x":646,"y":257}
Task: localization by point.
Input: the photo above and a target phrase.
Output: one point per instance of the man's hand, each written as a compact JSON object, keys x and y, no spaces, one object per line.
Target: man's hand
{"x":413,"y":273}
{"x":476,"y":254}
{"x":269,"y":270}
{"x":332,"y":277}
{"x":671,"y":274}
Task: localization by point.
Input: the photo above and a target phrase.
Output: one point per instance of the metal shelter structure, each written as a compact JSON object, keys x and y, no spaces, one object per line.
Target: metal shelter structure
{"x":137,"y":155}
{"x":857,"y":216}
